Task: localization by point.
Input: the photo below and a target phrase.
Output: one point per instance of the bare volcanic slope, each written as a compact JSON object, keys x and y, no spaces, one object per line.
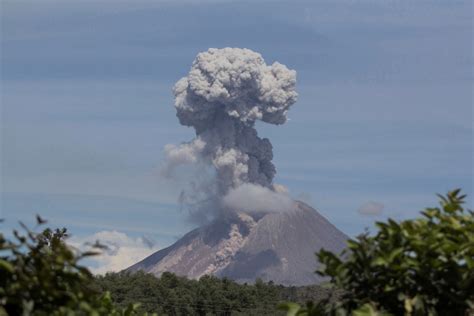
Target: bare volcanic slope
{"x":274,"y":246}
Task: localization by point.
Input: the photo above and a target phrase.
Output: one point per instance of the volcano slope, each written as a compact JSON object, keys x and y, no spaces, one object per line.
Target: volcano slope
{"x":278,"y":247}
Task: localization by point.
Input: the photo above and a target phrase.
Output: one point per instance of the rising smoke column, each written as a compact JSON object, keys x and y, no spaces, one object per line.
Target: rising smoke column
{"x":223,"y":95}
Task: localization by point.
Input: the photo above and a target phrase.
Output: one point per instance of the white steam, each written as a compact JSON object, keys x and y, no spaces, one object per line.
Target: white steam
{"x":225,"y":92}
{"x":254,"y":198}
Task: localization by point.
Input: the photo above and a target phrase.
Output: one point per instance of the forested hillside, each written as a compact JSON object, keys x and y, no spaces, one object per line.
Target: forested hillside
{"x":422,"y":266}
{"x":173,"y":295}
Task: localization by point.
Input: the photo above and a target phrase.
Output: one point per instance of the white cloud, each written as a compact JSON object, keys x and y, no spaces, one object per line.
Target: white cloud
{"x":371,"y":208}
{"x":255,"y":198}
{"x":123,"y":250}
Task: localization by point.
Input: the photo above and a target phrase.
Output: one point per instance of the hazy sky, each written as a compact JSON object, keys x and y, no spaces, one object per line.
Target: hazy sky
{"x":382,"y":123}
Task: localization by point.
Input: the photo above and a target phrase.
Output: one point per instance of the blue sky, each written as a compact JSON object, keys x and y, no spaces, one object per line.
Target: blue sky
{"x":384,"y":111}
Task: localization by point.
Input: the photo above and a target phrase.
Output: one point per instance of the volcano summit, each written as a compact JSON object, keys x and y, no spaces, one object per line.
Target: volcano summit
{"x":277,"y":246}
{"x":253,"y":228}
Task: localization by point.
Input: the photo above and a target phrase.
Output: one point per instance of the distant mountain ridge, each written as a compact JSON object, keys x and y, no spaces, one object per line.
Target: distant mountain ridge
{"x":278,"y":247}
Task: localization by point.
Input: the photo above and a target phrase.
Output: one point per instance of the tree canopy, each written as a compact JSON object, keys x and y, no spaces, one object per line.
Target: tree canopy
{"x":41,"y":275}
{"x":422,"y":266}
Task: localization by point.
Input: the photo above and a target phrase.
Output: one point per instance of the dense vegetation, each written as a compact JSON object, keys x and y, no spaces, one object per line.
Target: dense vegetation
{"x":40,"y":275}
{"x":423,"y":266}
{"x":173,"y":295}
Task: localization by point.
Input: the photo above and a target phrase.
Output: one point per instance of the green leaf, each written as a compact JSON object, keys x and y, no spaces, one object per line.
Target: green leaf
{"x":395,"y":253}
{"x":5,"y":265}
{"x":379,"y":261}
{"x":291,"y":309}
{"x":368,"y":310}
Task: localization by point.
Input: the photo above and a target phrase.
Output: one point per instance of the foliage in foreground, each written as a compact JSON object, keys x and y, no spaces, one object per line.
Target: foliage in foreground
{"x":423,"y":266}
{"x":40,"y":275}
{"x":414,"y":267}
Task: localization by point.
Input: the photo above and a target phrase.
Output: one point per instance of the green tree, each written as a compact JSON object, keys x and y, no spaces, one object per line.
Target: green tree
{"x":423,"y":266}
{"x":170,"y":294}
{"x":41,"y":275}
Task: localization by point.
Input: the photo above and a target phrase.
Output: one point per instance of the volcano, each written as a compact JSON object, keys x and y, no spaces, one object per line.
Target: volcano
{"x":275,"y":246}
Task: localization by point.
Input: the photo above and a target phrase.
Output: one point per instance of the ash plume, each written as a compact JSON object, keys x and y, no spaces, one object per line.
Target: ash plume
{"x":226,"y":91}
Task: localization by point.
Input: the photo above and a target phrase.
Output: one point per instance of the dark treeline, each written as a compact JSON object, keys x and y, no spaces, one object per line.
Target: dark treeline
{"x":174,"y":295}
{"x":413,"y":267}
